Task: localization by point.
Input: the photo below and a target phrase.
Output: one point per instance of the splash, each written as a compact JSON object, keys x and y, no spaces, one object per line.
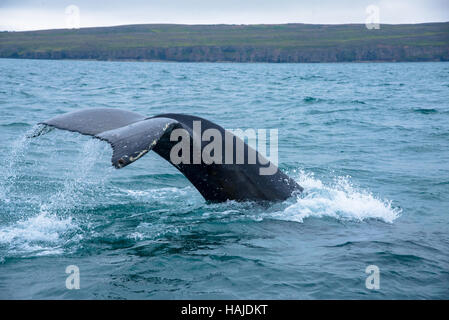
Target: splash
{"x":11,"y":168}
{"x":340,"y":200}
{"x":80,"y":182}
{"x":51,"y":226}
{"x":41,"y":235}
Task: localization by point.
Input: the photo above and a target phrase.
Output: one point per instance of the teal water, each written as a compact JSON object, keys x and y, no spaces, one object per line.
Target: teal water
{"x":368,"y":142}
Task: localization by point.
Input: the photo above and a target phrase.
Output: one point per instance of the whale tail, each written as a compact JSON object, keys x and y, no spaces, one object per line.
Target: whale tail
{"x":132,"y":135}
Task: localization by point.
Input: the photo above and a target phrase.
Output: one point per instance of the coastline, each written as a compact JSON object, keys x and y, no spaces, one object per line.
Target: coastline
{"x":224,"y":62}
{"x":288,"y":43}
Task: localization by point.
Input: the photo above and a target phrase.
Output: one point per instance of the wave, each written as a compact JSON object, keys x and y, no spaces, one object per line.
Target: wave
{"x":16,"y":125}
{"x":319,"y":112}
{"x":310,"y":99}
{"x":358,"y":102}
{"x":425,"y":110}
{"x":313,"y":100}
{"x":310,"y":77}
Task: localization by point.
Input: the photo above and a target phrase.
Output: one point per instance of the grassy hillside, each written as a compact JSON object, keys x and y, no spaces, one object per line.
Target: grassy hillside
{"x":270,"y":43}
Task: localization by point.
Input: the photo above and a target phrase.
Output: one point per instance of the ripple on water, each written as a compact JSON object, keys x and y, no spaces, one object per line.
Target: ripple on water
{"x":144,"y":231}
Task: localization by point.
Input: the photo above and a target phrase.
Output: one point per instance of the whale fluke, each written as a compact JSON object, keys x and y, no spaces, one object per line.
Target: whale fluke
{"x":132,"y":135}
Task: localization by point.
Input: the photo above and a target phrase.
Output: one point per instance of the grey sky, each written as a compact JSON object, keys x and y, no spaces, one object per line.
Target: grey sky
{"x":50,"y":14}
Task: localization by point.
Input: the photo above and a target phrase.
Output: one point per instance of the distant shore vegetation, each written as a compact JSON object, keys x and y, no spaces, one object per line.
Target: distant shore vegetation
{"x":234,"y":43}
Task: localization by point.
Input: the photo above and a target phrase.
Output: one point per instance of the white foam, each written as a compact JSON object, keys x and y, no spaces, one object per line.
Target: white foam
{"x":340,"y":200}
{"x":146,"y":231}
{"x":39,"y":233}
{"x":43,"y":227}
{"x":167,"y":193}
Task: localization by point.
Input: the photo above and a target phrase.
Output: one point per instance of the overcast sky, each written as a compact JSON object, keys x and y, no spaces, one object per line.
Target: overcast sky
{"x":50,"y":14}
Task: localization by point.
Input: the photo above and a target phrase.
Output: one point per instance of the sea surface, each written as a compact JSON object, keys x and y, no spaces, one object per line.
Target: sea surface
{"x":369,"y":143}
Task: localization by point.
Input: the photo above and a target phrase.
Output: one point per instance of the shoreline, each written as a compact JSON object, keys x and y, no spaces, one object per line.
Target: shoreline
{"x":225,"y":62}
{"x":283,"y":43}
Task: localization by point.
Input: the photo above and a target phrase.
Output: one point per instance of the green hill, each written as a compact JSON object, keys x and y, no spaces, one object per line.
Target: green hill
{"x":237,"y":43}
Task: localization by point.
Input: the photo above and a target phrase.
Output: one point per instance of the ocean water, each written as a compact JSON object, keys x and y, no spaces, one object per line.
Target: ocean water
{"x":368,"y":142}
